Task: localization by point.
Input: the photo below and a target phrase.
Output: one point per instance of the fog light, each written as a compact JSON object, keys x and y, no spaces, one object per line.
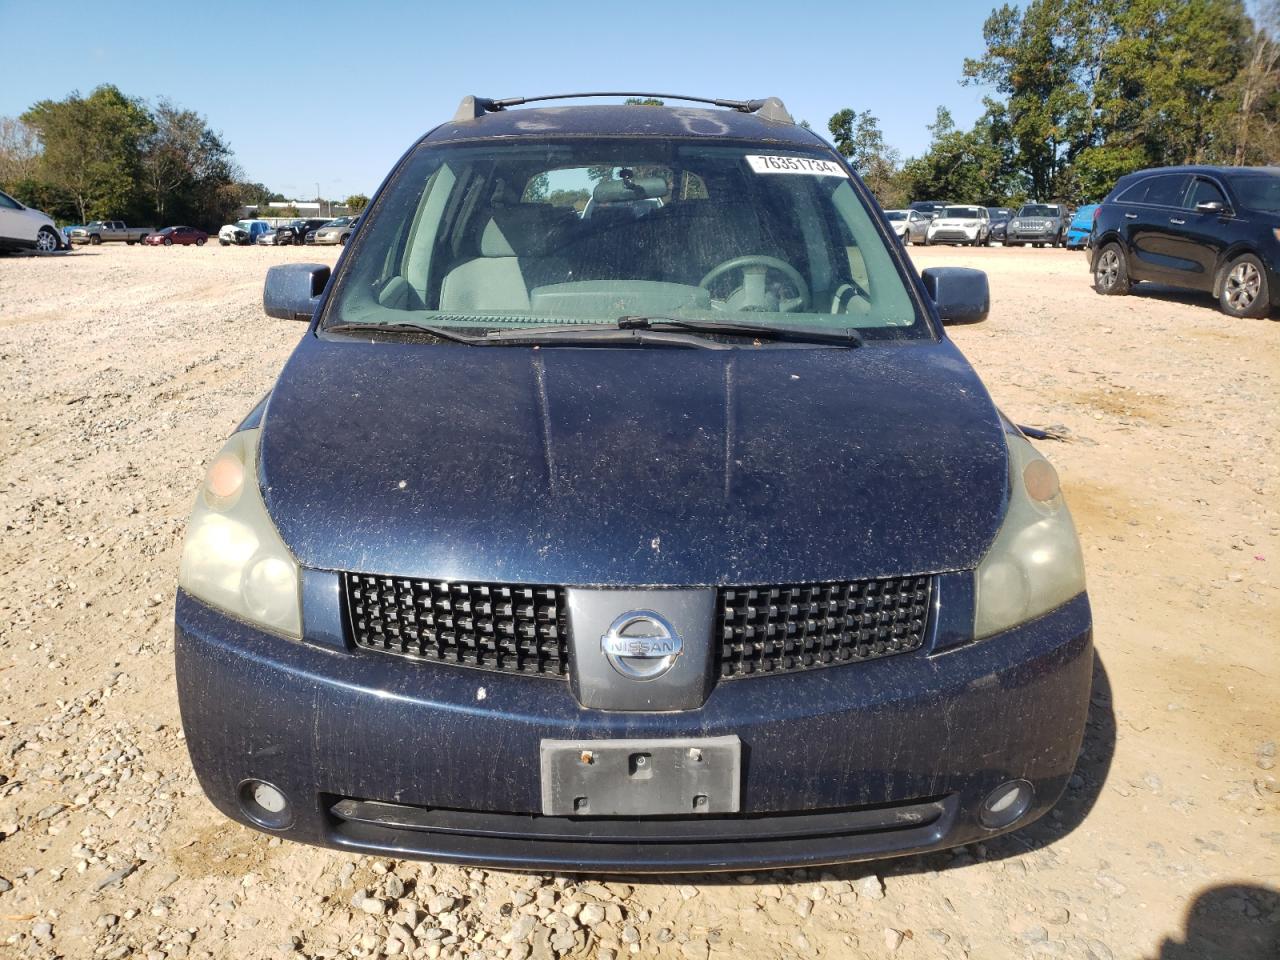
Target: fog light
{"x":1006,"y":804}
{"x":265,"y":804}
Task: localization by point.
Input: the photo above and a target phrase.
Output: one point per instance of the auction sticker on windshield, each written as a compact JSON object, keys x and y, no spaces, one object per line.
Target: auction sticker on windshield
{"x":804,"y":165}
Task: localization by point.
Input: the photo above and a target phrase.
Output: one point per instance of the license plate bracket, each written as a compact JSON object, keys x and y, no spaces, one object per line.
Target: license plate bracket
{"x":641,"y":778}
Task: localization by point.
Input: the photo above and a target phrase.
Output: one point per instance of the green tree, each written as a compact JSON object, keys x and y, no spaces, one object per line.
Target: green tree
{"x":254,"y":194}
{"x":1257,"y":93}
{"x":535,"y":191}
{"x":967,"y":166}
{"x":858,"y":137}
{"x":1035,"y":59}
{"x":357,"y":202}
{"x":91,"y":149}
{"x":643,"y":102}
{"x":1093,"y":89}
{"x":1166,"y":85}
{"x":185,"y":165}
{"x":19,"y":152}
{"x":568,"y":198}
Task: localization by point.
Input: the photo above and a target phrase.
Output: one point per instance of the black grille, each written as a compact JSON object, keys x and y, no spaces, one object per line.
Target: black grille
{"x":513,"y":628}
{"x":807,"y":625}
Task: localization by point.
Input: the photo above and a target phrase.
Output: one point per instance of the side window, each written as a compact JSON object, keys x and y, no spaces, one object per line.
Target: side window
{"x":1205,"y":191}
{"x":8,"y":202}
{"x":1162,"y":190}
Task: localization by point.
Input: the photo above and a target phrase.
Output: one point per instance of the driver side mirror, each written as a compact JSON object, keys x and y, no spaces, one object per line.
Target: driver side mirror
{"x":1213,"y":206}
{"x":960,"y":294}
{"x":292,"y":291}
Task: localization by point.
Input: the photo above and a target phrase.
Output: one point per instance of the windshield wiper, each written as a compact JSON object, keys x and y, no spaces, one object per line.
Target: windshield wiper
{"x":442,"y":332}
{"x":846,"y":337}
{"x":579,"y":335}
{"x":668,"y":331}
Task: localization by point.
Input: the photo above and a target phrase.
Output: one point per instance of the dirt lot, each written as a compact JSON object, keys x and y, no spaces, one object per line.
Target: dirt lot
{"x":124,"y":368}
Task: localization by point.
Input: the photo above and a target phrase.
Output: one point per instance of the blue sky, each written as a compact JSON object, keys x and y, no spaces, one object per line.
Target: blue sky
{"x":332,"y":93}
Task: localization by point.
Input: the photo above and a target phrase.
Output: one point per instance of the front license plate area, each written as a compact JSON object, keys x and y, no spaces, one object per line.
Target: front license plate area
{"x":641,"y":778}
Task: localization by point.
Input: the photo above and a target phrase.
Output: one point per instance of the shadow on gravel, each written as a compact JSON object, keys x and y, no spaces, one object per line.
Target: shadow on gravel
{"x":1236,"y":921}
{"x":36,"y":255}
{"x":1192,"y":298}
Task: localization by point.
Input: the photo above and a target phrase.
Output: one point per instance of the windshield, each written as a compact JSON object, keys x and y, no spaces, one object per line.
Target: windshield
{"x":1038,"y":210}
{"x":960,"y":213}
{"x":340,"y":222}
{"x":552,"y":232}
{"x":1257,"y":191}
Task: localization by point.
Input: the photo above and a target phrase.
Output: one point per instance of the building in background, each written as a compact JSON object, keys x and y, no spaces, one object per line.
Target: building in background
{"x":280,"y":211}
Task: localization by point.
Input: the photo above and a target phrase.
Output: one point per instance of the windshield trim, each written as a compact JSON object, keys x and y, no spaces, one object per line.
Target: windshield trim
{"x":931,"y":327}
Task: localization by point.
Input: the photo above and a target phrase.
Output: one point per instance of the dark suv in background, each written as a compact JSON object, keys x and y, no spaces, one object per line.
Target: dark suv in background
{"x":1038,"y":224}
{"x":1215,"y":229}
{"x":295,"y":231}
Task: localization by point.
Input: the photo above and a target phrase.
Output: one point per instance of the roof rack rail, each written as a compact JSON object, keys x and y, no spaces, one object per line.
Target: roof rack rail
{"x":770,"y":108}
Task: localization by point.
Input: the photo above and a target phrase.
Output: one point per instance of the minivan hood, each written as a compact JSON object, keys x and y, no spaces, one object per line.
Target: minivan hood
{"x":632,"y":466}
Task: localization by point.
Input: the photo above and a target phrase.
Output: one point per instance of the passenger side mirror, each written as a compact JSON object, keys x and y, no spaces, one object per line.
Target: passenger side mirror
{"x":960,"y":294}
{"x":1213,"y":206}
{"x":292,"y":291}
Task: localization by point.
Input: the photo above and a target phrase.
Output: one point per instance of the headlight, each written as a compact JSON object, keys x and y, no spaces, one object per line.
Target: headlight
{"x":970,"y":224}
{"x":1035,"y":563}
{"x":232,"y":557}
{"x":1014,"y":224}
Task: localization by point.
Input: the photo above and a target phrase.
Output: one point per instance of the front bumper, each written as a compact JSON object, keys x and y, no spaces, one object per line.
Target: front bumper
{"x":1031,"y":236}
{"x":954,"y":235}
{"x":408,"y":759}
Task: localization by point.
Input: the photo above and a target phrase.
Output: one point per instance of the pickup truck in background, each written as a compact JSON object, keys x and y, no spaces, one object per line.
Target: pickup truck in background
{"x":110,"y":231}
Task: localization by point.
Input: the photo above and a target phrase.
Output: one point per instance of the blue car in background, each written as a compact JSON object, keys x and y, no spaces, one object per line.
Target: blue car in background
{"x":679,"y":537}
{"x":1081,"y":227}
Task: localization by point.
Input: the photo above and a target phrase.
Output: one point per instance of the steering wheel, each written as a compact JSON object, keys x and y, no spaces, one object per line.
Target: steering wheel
{"x":753,"y":294}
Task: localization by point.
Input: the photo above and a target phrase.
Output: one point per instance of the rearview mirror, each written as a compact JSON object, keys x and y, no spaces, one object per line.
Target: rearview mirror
{"x":292,"y":291}
{"x":960,"y":294}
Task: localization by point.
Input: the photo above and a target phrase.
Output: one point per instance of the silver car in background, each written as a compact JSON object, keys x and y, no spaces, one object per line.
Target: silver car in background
{"x":910,"y":226}
{"x":335,"y":231}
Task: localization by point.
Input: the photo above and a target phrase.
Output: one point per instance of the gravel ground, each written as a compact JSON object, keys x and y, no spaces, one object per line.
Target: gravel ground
{"x":124,"y":368}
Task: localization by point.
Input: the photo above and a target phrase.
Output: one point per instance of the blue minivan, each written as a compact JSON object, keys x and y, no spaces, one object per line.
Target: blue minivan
{"x":670,"y":537}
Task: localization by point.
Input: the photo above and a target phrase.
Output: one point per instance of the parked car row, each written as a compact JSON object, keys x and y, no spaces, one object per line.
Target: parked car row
{"x":25,"y":228}
{"x":932,"y":221}
{"x":295,"y":232}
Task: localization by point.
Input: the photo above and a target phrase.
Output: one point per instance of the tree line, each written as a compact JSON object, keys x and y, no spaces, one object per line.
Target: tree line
{"x":1082,"y":92}
{"x":111,"y":156}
